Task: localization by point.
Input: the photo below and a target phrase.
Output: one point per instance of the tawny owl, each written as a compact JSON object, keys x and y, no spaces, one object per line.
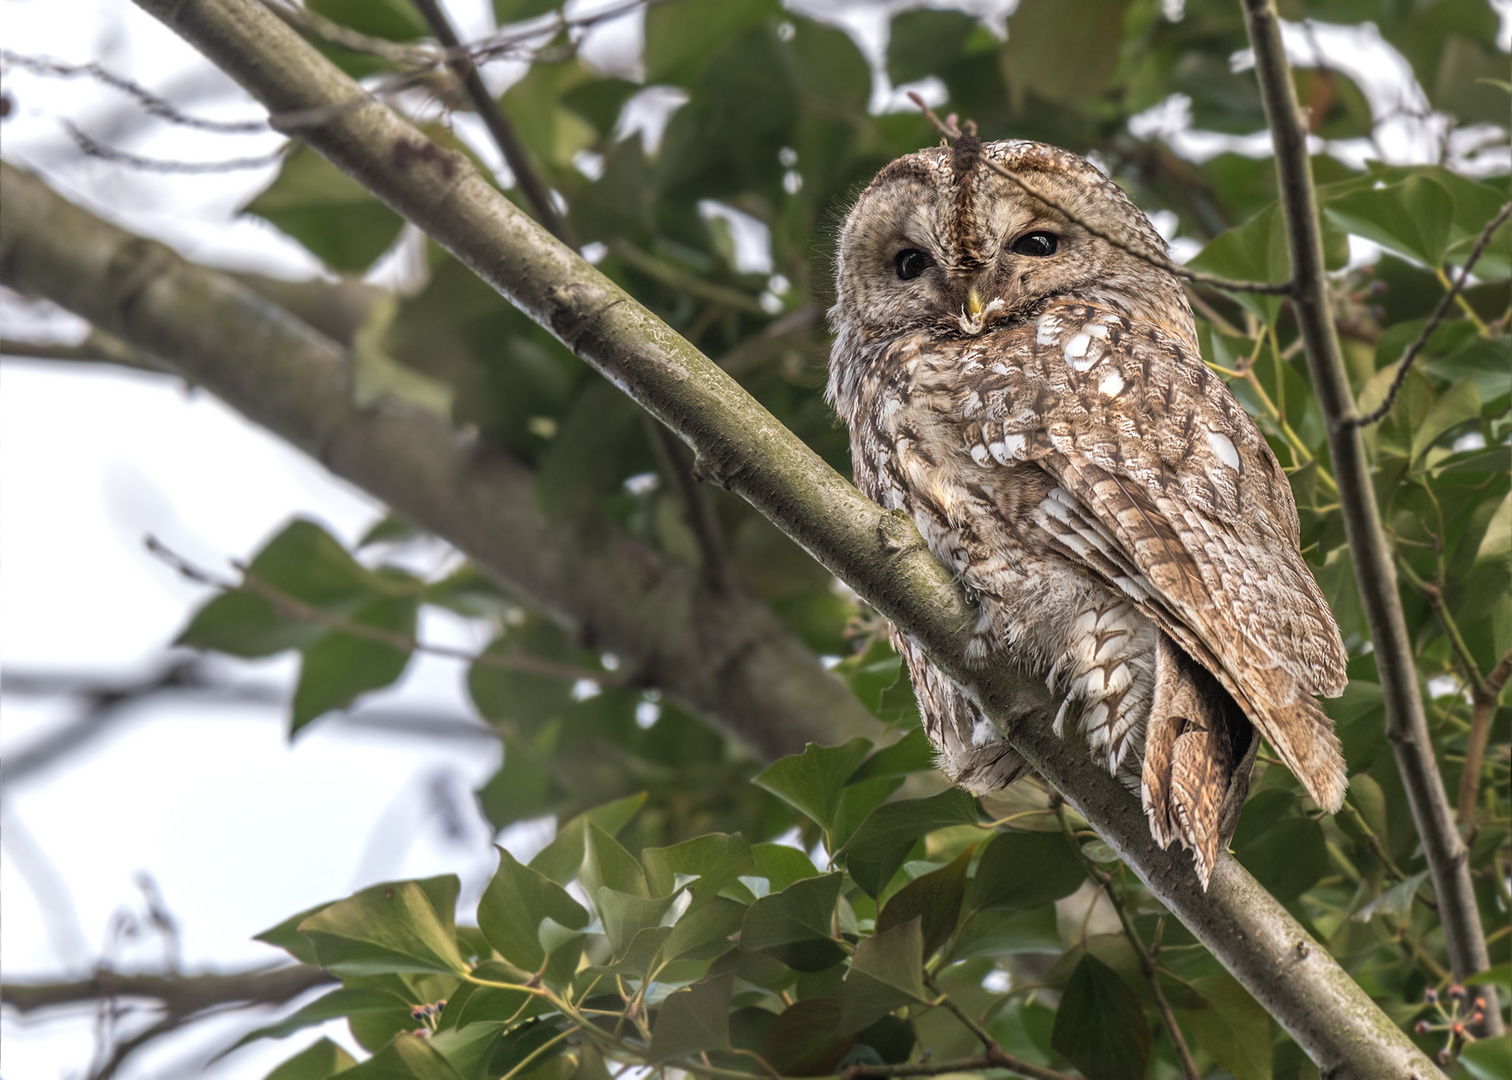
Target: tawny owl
{"x":1033,"y":396}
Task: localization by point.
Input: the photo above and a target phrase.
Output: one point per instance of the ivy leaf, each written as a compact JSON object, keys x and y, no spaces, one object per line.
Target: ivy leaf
{"x":317,"y":1061}
{"x":886,"y":972}
{"x":1003,"y":933}
{"x":340,"y":666}
{"x":1460,"y":404}
{"x":715,"y":859}
{"x":1488,"y":1059}
{"x":625,"y":915}
{"x":812,"y":782}
{"x":794,"y":926}
{"x":513,"y":906}
{"x":607,"y":864}
{"x":782,"y":865}
{"x":395,"y":927}
{"x":693,"y":1020}
{"x":341,"y":1002}
{"x":683,"y":36}
{"x":1235,"y":1030}
{"x":408,"y":1057}
{"x":882,"y":843}
{"x":1025,"y":870}
{"x":1395,"y":903}
{"x":1099,"y":1026}
{"x":334,"y":217}
{"x":805,"y":1040}
{"x":709,"y":926}
{"x":1288,"y":858}
{"x":561,"y":859}
{"x":933,"y":898}
{"x":1411,"y":218}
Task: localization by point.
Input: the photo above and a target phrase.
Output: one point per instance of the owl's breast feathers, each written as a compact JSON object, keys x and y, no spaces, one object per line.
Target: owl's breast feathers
{"x":1109,"y":443}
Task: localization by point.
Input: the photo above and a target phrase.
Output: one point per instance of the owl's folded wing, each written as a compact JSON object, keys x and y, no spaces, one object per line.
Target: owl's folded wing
{"x":1168,"y":491}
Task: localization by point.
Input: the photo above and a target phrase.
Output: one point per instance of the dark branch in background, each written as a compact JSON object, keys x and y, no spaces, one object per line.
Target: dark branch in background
{"x":1406,"y":724}
{"x":743,"y":447}
{"x":726,"y":656}
{"x":503,"y":132}
{"x":1147,"y":954}
{"x":949,"y":129}
{"x":993,"y":1053}
{"x":92,"y":147}
{"x":150,"y":102}
{"x":96,"y":348}
{"x":291,"y":607}
{"x":107,"y":700}
{"x":1483,"y":703}
{"x":1411,"y":352}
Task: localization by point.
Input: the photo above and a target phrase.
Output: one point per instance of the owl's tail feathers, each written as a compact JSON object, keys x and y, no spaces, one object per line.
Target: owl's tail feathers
{"x":1198,"y":753}
{"x":1303,"y":735}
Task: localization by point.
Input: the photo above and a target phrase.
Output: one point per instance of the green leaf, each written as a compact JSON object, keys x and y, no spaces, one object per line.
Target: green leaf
{"x":880,"y":845}
{"x":408,"y":1057}
{"x":1288,"y":858}
{"x":338,"y":667}
{"x":693,"y":1020}
{"x":1411,"y":218}
{"x":805,"y":1040}
{"x":341,"y":1002}
{"x":934,"y":898}
{"x":393,"y":20}
{"x":513,"y":906}
{"x":682,"y":36}
{"x":317,"y":1061}
{"x":561,"y":859}
{"x":246,"y":625}
{"x":794,"y":925}
{"x":286,"y":936}
{"x":625,"y":915}
{"x":511,"y":11}
{"x":607,"y":864}
{"x":469,"y":1049}
{"x":910,"y":754}
{"x":709,"y":926}
{"x":395,"y":927}
{"x":1235,"y":1031}
{"x":715,"y":859}
{"x":1395,"y":903}
{"x":333,"y":216}
{"x":997,"y":932}
{"x":924,"y":43}
{"x":1488,"y":1059}
{"x":1099,"y":1026}
{"x":586,"y":461}
{"x":782,"y":865}
{"x":1041,"y":39}
{"x":812,"y":782}
{"x":886,"y":972}
{"x":1025,"y":870}
{"x":1496,"y":545}
{"x":1459,"y":405}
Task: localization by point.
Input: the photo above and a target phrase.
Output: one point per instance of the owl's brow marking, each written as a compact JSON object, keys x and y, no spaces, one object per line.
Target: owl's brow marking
{"x":950,"y":131}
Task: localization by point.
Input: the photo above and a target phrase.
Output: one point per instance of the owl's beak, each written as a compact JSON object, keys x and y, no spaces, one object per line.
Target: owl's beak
{"x":974,"y":305}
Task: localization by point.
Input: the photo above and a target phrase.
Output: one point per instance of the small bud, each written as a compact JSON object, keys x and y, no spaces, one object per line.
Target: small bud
{"x":440,"y":1005}
{"x":1457,"y":1029}
{"x":1478,"y":1017}
{"x":1423,"y":1027}
{"x":1431,"y":996}
{"x":1457,"y":992}
{"x":1444,"y":1055}
{"x":417,"y":1012}
{"x":1480,"y":1003}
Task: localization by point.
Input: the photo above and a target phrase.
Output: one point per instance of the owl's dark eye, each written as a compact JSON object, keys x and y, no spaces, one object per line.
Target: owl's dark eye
{"x":1037,"y":244}
{"x":911,"y":262}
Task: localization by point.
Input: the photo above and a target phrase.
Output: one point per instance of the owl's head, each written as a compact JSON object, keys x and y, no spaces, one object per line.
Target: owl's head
{"x":940,"y":242}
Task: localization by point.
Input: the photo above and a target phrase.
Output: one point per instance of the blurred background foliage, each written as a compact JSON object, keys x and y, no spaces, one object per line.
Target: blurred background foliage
{"x":724,"y":226}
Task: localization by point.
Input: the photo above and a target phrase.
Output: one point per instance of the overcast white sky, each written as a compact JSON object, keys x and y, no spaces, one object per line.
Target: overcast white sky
{"x":237,"y":827}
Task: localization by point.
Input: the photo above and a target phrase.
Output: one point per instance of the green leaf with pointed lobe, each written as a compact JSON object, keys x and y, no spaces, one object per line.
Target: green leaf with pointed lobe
{"x":693,"y":1020}
{"x":1099,"y":1026}
{"x":812,"y":782}
{"x":886,"y":972}
{"x":1235,"y":1031}
{"x":319,"y":1060}
{"x":513,"y":906}
{"x":394,"y":927}
{"x":795,"y":925}
{"x":408,"y":1057}
{"x":331,"y":215}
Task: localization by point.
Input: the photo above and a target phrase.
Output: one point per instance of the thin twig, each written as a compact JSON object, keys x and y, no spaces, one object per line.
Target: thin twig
{"x":1404,"y":365}
{"x":92,"y":147}
{"x":1484,"y":705}
{"x":679,"y":464}
{"x":994,"y":1057}
{"x":1283,"y":288}
{"x":294,"y":608}
{"x":1147,"y":963}
{"x":465,"y":67}
{"x":150,"y":102}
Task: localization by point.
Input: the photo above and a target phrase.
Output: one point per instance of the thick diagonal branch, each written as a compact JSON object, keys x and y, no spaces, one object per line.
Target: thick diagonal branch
{"x":1406,"y":724}
{"x":741,"y":445}
{"x":722,"y":652}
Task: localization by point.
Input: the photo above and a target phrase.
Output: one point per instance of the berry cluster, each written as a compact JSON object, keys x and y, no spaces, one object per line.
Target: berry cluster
{"x":1455,"y":1020}
{"x":428,"y":1015}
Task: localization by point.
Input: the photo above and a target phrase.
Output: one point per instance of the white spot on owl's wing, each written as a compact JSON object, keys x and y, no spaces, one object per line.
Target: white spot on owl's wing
{"x":980,"y":455}
{"x":1111,"y":385}
{"x":1224,"y":448}
{"x":1045,"y":332}
{"x":1011,"y":449}
{"x":1076,"y":348}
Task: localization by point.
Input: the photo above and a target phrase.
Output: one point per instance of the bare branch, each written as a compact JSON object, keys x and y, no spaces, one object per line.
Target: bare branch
{"x":182,"y":995}
{"x":1406,"y":724}
{"x":150,"y":102}
{"x":993,"y":1056}
{"x":92,"y":147}
{"x":951,"y":131}
{"x":1404,"y":365}
{"x":462,"y":63}
{"x":1486,"y":696}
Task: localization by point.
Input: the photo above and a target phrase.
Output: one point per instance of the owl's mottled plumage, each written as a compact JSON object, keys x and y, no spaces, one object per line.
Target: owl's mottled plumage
{"x":1047,"y":420}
